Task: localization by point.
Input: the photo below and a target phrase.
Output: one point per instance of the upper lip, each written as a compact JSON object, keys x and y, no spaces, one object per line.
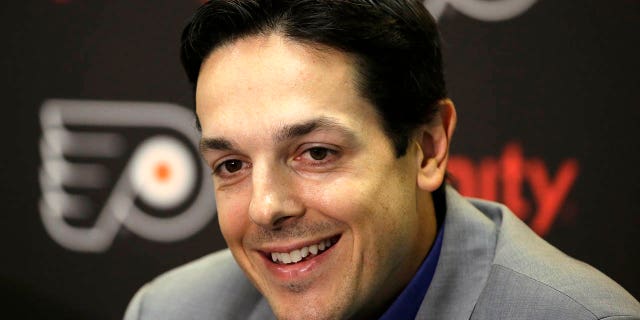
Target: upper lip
{"x":285,"y":248}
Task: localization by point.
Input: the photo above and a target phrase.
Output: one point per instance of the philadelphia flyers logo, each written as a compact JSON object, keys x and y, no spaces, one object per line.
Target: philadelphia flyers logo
{"x":484,"y":10}
{"x":113,"y":165}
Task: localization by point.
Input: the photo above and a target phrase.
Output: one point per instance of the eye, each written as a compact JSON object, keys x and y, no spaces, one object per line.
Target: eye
{"x":232,"y":165}
{"x":317,"y":156}
{"x":318,"y":153}
{"x":229,"y":168}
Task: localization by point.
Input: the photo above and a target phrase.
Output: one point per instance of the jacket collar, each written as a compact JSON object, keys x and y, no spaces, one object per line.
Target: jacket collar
{"x":466,"y":257}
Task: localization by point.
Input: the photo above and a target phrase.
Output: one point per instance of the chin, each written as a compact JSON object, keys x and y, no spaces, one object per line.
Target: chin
{"x":302,"y":301}
{"x":307,"y":310}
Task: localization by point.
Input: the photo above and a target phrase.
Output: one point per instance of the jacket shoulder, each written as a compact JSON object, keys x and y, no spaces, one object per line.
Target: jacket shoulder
{"x":212,"y":287}
{"x":531,"y":279}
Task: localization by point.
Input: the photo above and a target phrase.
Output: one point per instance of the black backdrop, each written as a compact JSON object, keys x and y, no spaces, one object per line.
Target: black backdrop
{"x":548,"y":123}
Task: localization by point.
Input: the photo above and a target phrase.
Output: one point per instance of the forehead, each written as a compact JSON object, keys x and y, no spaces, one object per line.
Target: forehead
{"x":265,"y":54}
{"x":261,"y":80}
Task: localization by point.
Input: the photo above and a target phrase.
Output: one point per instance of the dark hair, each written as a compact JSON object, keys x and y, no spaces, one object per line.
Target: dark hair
{"x":395,"y":43}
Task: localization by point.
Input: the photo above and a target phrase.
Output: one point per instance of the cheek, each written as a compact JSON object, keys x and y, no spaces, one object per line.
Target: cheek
{"x":354,"y":202}
{"x":233,"y":217}
{"x":378,"y":207}
{"x":337,"y":198}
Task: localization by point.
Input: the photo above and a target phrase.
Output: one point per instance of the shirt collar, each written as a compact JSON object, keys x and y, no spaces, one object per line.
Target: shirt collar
{"x":408,"y":303}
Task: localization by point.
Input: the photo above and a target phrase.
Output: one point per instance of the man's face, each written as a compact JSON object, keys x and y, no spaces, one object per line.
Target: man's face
{"x":316,"y":208}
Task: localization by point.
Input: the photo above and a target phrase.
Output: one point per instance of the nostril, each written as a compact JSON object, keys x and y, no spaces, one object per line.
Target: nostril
{"x":280,"y":221}
{"x":272,"y":205}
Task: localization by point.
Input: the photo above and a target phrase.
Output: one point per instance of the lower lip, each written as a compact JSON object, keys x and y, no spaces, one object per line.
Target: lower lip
{"x":300,"y":270}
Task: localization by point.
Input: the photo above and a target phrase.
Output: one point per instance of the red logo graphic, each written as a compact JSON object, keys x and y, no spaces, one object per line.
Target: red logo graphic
{"x":505,"y":179}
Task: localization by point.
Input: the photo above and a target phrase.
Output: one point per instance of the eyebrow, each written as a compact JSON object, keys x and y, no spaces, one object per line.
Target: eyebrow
{"x":293,"y":131}
{"x":215,"y":144}
{"x":287,"y":132}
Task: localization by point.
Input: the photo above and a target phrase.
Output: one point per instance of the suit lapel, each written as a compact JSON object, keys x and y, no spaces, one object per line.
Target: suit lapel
{"x":466,"y":257}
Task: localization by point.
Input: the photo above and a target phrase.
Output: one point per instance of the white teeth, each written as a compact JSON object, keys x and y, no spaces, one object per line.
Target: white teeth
{"x":295,"y":256}
{"x":299,"y":254}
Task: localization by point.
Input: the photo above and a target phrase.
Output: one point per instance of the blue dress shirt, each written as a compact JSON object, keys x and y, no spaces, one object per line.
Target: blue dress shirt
{"x":408,"y":303}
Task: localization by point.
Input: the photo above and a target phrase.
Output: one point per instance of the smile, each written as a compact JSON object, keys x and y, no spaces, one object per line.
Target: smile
{"x":304,"y":253}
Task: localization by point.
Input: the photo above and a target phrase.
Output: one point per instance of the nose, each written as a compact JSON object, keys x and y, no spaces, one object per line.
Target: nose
{"x":273,"y":198}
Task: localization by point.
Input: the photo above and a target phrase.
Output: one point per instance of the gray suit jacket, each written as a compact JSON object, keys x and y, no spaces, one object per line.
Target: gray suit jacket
{"x":491,"y":266}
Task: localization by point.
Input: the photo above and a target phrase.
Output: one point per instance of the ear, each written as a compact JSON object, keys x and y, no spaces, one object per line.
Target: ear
{"x":433,"y":140}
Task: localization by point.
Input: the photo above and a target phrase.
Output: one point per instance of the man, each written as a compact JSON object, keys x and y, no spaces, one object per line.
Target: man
{"x":327,"y":129}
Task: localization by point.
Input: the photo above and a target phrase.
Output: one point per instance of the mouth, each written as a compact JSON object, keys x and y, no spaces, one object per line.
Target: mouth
{"x":303,"y":253}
